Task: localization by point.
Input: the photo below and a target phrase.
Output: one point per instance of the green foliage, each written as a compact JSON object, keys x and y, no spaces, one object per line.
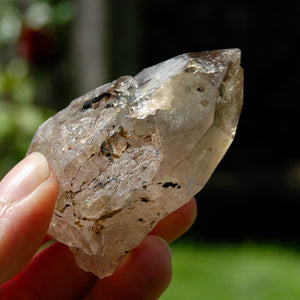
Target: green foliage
{"x":19,"y":116}
{"x":36,"y":14}
{"x":242,"y":272}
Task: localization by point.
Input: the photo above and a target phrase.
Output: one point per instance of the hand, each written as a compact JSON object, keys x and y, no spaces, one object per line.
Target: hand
{"x":27,"y":198}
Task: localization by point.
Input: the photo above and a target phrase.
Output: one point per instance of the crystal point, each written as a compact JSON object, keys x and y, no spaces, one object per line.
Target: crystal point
{"x":132,"y":151}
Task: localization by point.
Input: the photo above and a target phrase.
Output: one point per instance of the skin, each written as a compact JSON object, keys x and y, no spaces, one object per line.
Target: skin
{"x":27,"y":199}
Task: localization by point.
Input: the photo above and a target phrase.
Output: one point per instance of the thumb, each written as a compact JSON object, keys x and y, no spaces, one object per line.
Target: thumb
{"x":27,"y":198}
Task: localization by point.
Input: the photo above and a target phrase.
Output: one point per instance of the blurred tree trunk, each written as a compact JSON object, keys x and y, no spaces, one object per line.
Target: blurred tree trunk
{"x":90,"y":45}
{"x":126,"y":25}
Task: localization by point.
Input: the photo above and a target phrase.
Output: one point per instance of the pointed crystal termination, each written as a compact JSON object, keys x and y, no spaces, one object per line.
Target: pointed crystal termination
{"x":132,"y":151}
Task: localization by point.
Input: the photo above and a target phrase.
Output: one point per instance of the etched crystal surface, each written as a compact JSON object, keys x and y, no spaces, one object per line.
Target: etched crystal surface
{"x":132,"y":151}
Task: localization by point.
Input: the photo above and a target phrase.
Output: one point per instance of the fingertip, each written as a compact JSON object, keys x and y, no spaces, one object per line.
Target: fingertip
{"x":163,"y":242}
{"x":154,"y":257}
{"x":177,"y":223}
{"x":160,"y":253}
{"x":144,"y":274}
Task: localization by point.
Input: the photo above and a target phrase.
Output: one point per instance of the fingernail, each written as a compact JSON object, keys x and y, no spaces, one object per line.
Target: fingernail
{"x":164,"y":241}
{"x":24,"y":178}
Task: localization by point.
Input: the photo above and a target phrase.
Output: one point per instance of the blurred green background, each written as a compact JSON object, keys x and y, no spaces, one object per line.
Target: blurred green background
{"x":31,"y":37}
{"x":245,"y":241}
{"x":228,"y":272}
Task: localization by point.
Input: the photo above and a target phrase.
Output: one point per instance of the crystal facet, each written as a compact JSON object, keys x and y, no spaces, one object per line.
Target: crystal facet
{"x":132,"y":151}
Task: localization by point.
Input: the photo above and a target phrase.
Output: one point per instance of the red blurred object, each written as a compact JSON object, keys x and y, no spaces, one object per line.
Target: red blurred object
{"x":36,"y":46}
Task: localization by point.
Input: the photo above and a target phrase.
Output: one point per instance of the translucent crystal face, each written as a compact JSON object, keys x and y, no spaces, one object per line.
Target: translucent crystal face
{"x":134,"y":150}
